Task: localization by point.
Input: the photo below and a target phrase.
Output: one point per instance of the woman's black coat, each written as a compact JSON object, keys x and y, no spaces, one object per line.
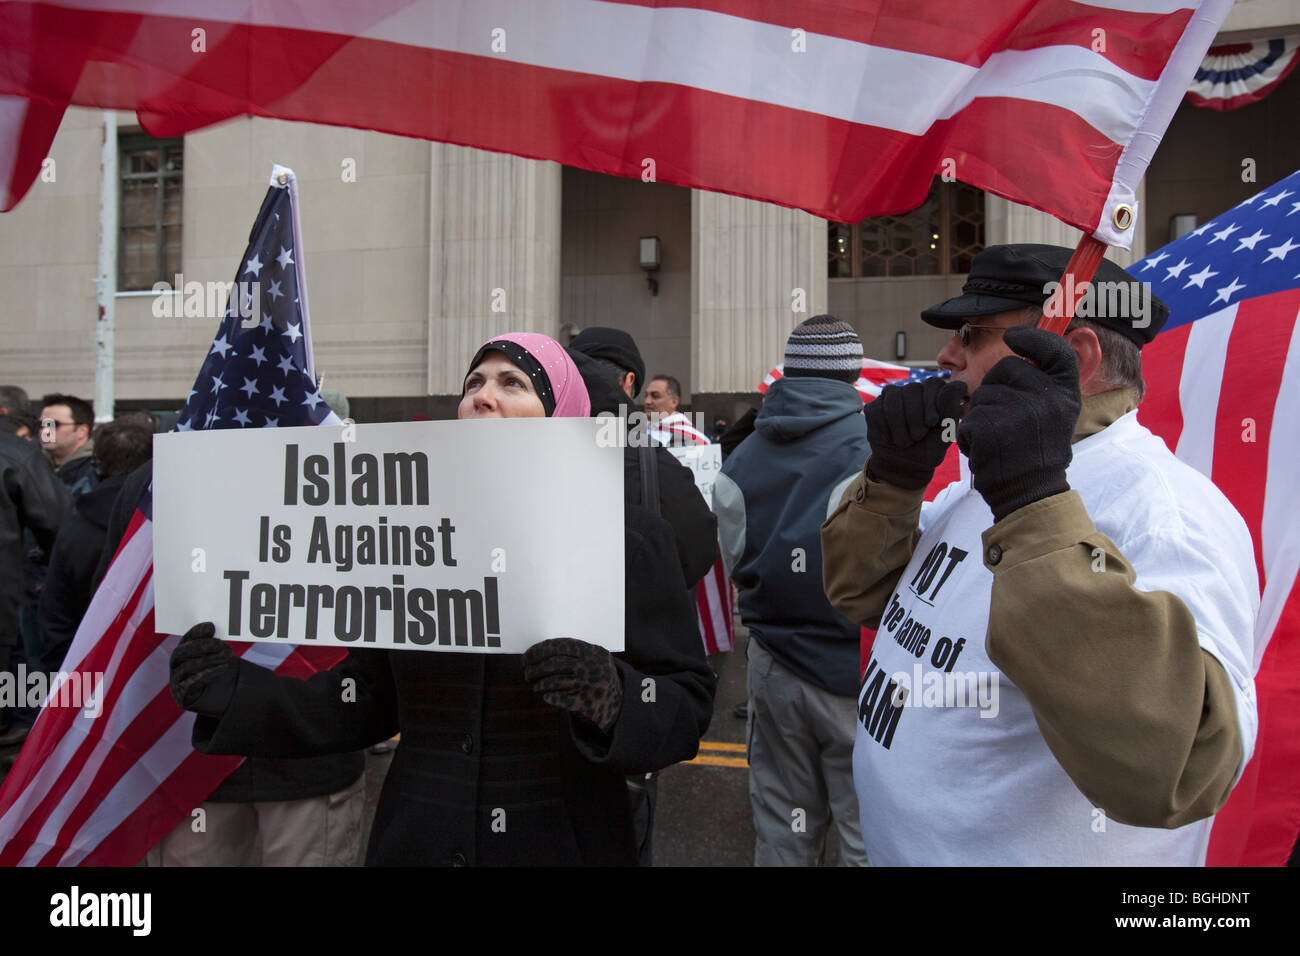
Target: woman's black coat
{"x":487,"y":772}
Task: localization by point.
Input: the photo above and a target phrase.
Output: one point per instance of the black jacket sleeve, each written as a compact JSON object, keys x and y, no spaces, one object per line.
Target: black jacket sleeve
{"x":350,"y":706}
{"x":668,"y":685}
{"x":68,"y":588}
{"x":120,"y":519}
{"x":40,"y":498}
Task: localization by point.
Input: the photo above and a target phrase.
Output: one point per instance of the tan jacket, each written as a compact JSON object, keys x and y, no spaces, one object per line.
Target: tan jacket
{"x":1165,"y":750}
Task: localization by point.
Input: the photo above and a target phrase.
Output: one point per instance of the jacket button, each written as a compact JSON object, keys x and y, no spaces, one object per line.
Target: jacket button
{"x":994,"y":554}
{"x":458,"y":859}
{"x":861,"y":494}
{"x":467,"y":745}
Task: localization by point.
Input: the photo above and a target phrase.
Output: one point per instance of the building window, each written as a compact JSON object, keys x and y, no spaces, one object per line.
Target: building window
{"x":939,"y":237}
{"x":149,"y":220}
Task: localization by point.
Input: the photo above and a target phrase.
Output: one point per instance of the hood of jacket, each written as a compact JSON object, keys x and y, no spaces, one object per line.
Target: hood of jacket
{"x":97,"y":504}
{"x":793,"y":407}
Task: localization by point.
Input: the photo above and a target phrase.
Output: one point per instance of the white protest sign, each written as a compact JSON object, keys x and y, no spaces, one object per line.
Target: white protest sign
{"x":704,"y":461}
{"x":484,"y":536}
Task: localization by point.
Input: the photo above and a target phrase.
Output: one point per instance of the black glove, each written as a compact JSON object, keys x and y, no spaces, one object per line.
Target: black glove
{"x":203,"y":672}
{"x":1018,"y":431}
{"x":578,"y":677}
{"x":905,"y":426}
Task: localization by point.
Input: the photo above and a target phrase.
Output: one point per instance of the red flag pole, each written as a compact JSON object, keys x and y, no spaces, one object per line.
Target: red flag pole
{"x":1079,"y":271}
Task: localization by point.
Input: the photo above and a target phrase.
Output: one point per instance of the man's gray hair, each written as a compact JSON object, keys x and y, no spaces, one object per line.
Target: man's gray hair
{"x":1121,"y":359}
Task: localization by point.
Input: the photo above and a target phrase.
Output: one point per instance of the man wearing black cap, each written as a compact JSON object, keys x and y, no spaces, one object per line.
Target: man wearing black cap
{"x":1062,"y":672}
{"x":771,"y":497}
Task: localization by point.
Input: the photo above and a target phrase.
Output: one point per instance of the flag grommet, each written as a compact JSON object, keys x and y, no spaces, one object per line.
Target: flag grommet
{"x":1123,"y":217}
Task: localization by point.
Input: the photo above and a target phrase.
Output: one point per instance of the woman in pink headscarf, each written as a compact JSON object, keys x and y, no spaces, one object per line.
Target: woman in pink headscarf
{"x":504,"y":759}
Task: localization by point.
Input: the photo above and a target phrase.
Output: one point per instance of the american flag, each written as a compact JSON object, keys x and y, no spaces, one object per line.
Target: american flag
{"x":1056,"y":104}
{"x":101,"y":790}
{"x":875,"y":376}
{"x":1223,"y":387}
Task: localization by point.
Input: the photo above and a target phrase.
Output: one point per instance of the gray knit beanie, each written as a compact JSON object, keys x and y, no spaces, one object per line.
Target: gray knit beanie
{"x":825,"y":347}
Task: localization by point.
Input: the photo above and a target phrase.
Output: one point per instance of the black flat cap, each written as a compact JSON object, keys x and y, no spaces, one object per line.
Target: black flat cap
{"x":616,"y":346}
{"x":1014,"y":276}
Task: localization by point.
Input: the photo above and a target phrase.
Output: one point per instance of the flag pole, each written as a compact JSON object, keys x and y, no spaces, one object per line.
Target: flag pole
{"x":1079,"y":271}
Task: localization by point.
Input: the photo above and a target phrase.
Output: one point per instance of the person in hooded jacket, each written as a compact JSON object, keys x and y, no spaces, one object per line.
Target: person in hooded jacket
{"x":505,"y":758}
{"x":611,"y":368}
{"x":771,"y":497}
{"x":120,"y":446}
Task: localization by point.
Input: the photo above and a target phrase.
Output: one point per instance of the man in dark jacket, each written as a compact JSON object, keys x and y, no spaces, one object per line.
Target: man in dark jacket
{"x":771,"y":498}
{"x":31,"y":498}
{"x":120,"y":447}
{"x":611,"y":368}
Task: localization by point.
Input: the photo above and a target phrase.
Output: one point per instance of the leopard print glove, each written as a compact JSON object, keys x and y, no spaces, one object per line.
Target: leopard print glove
{"x":578,"y":677}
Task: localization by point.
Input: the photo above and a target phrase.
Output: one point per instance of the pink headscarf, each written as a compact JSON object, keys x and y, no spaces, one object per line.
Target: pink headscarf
{"x":571,"y":400}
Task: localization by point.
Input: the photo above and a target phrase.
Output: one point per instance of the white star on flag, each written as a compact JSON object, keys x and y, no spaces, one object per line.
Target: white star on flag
{"x":258,"y":355}
{"x":1223,"y":234}
{"x":249,"y":387}
{"x":278,"y":396}
{"x":1176,"y":272}
{"x":274,"y":292}
{"x":241,"y":416}
{"x":1198,"y":279}
{"x":285,"y":258}
{"x":220,"y":345}
{"x":1154,"y":261}
{"x":1226,"y":292}
{"x":286,"y":364}
{"x":1249,"y":242}
{"x":1279,"y":252}
{"x":1274,"y":200}
{"x":253,"y":265}
{"x":293,"y":332}
{"x":313,"y":399}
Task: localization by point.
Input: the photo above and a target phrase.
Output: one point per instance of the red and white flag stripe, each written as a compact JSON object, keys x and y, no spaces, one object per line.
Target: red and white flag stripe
{"x":1058,"y":104}
{"x":102,"y":789}
{"x":1222,"y":392}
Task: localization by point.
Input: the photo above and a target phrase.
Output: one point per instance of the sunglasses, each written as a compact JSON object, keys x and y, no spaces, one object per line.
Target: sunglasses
{"x":966,"y":334}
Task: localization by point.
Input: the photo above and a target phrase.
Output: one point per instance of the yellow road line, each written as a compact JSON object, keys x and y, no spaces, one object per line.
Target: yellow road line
{"x":711,"y":745}
{"x":709,"y":760}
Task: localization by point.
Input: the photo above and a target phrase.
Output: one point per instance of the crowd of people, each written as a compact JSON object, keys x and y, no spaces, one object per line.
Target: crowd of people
{"x":1048,"y":661}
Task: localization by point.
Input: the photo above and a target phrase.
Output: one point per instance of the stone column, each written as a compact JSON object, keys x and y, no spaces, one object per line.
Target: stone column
{"x":494,"y":254}
{"x":757,"y":270}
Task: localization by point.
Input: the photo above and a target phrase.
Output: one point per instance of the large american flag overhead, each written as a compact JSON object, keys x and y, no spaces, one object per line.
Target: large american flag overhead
{"x":102,"y":790}
{"x":846,"y":109}
{"x":1223,"y":391}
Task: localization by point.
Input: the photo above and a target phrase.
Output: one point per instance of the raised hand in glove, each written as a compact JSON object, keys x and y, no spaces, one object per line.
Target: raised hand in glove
{"x":203,"y":671}
{"x":578,"y":677}
{"x":906,"y":427}
{"x":1018,"y":430}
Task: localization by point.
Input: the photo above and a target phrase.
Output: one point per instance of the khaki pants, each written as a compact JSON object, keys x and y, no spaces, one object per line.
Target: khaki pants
{"x":316,"y":831}
{"x":800,"y":767}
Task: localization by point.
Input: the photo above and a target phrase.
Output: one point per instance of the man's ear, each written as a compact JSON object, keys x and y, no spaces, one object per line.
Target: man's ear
{"x":628,"y":384}
{"x":1088,"y":351}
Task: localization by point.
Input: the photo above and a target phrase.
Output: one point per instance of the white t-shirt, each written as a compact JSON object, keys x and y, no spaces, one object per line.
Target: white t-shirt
{"x":960,"y":775}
